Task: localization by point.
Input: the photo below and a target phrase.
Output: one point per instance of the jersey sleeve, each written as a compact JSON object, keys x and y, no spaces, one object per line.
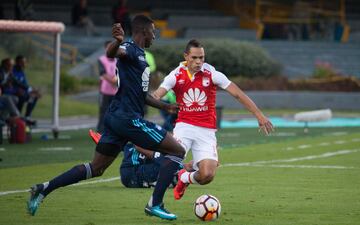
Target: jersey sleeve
{"x":220,"y":79}
{"x":129,"y":50}
{"x":169,"y":81}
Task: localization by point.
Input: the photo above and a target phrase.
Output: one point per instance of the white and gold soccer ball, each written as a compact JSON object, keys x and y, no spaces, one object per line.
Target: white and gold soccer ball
{"x":207,"y":207}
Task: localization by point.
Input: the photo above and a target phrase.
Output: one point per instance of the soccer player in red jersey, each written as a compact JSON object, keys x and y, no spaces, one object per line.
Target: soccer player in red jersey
{"x":195,"y":83}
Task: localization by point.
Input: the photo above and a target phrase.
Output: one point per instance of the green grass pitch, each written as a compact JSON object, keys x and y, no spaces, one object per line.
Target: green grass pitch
{"x":287,"y":178}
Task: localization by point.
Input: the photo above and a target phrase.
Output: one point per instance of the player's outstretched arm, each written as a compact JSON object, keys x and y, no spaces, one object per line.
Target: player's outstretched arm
{"x":151,"y":101}
{"x":113,"y":49}
{"x":264,"y":123}
{"x":159,"y":93}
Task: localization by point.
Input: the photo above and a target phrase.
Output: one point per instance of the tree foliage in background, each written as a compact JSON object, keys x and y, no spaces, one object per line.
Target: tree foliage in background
{"x":234,"y":58}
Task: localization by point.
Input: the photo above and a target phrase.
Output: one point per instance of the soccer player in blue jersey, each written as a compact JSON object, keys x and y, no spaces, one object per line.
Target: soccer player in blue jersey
{"x":124,"y":122}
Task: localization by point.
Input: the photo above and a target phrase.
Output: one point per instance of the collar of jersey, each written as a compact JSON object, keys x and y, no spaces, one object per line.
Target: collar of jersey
{"x":130,"y":40}
{"x":183,"y":65}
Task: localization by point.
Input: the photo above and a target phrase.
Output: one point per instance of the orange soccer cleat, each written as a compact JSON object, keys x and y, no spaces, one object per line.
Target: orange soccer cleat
{"x":180,"y":187}
{"x":95,"y":136}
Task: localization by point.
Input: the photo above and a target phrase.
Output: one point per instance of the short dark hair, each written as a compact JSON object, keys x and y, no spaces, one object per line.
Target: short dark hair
{"x":193,"y":43}
{"x":18,"y":58}
{"x":140,"y":22}
{"x":5,"y":61}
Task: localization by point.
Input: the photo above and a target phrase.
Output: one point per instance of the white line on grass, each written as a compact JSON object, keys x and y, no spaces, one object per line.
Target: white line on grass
{"x":304,"y":146}
{"x":56,"y":149}
{"x":255,"y":164}
{"x":340,"y":142}
{"x":296,"y":166}
{"x":309,"y":157}
{"x":77,"y":184}
{"x":13,"y":192}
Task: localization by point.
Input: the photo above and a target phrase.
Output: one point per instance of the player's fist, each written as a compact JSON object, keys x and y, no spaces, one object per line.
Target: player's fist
{"x":172,"y":108}
{"x":118,"y":32}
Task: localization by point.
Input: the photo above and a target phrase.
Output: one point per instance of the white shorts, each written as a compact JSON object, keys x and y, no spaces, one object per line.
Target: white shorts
{"x":201,"y":140}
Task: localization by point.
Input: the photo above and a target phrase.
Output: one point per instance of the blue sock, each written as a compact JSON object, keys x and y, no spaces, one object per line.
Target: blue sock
{"x":72,"y":176}
{"x":166,"y":175}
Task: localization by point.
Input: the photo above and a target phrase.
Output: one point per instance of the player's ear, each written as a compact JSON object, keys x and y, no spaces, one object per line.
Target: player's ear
{"x":185,"y":55}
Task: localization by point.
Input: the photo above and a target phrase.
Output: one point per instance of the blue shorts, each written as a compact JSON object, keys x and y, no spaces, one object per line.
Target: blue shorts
{"x":119,"y":131}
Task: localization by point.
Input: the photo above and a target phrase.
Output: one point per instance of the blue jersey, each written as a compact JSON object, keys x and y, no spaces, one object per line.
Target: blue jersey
{"x":134,"y":74}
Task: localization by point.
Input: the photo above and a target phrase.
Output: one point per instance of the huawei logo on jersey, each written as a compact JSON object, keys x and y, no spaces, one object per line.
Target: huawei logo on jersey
{"x":194,"y":96}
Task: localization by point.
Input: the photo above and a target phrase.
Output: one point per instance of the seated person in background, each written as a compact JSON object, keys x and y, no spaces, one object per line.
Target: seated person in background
{"x":7,"y":107}
{"x":80,"y":18}
{"x":25,"y":93}
{"x":9,"y":85}
{"x":140,"y":167}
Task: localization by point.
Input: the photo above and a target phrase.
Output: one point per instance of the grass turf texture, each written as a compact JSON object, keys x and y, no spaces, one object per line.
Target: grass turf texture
{"x":250,"y":194}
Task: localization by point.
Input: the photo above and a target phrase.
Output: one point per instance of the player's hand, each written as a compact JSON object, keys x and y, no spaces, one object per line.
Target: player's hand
{"x":265,"y":126}
{"x":172,"y":108}
{"x":118,"y":32}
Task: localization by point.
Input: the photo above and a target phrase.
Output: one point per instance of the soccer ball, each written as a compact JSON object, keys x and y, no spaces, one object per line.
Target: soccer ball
{"x":207,"y":207}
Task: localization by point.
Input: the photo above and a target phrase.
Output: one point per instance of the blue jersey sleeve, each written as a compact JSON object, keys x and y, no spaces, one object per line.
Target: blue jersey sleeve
{"x":129,"y":50}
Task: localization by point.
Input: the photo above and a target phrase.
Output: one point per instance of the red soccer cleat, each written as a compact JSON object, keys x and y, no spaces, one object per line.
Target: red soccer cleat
{"x":180,"y":187}
{"x":95,"y":136}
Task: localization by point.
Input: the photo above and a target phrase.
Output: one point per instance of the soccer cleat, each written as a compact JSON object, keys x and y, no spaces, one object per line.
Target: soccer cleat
{"x":35,"y":199}
{"x":180,"y":187}
{"x":159,"y":211}
{"x":95,"y":136}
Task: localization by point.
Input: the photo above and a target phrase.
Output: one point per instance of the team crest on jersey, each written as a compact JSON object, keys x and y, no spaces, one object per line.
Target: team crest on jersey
{"x":181,"y":81}
{"x":141,"y":58}
{"x":206,"y":81}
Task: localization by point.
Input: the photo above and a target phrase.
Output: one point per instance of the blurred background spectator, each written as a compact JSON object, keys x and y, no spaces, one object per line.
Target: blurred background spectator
{"x":108,"y":85}
{"x":80,"y":17}
{"x":120,"y":14}
{"x":25,"y":93}
{"x":24,"y":10}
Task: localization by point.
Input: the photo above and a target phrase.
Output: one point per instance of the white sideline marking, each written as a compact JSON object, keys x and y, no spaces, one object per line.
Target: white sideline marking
{"x":298,"y":166}
{"x":56,"y":149}
{"x":310,"y":157}
{"x":255,"y":164}
{"x":13,"y":192}
{"x":77,"y":184}
{"x":304,"y":146}
{"x":284,"y":134}
{"x":97,"y":181}
{"x":338,"y":142}
{"x":339,"y":133}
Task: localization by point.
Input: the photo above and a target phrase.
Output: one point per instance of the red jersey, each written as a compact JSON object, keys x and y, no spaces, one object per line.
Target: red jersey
{"x":196,"y":95}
